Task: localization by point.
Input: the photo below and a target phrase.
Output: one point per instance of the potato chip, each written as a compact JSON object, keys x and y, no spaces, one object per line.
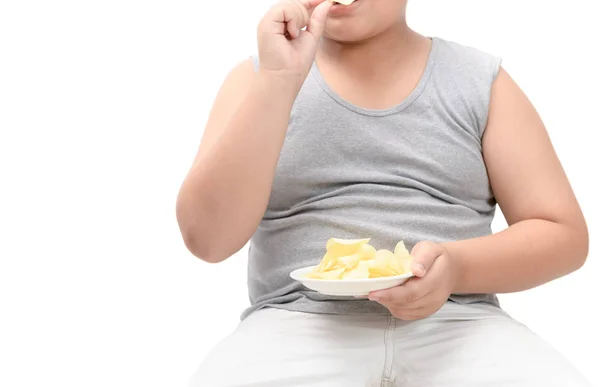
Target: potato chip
{"x":350,"y":261}
{"x":364,"y":253}
{"x":401,"y":250}
{"x":324,"y":262}
{"x":367,"y":251}
{"x":382,"y":272}
{"x":395,"y":264}
{"x":343,"y":247}
{"x":327,"y":275}
{"x":404,"y":256}
{"x":356,"y":259}
{"x":333,"y":264}
{"x":361,"y":271}
{"x":383,"y":258}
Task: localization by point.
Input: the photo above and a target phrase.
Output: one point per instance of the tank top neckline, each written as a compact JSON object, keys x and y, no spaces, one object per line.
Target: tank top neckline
{"x":414,"y":94}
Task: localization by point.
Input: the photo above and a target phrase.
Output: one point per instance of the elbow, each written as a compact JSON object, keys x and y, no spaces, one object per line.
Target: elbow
{"x":197,"y":239}
{"x":201,"y":248}
{"x":580,"y":246}
{"x":203,"y":232}
{"x":584,"y":248}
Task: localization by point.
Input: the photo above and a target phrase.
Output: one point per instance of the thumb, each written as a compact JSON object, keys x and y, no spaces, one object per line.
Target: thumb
{"x":424,"y":255}
{"x":316,"y":24}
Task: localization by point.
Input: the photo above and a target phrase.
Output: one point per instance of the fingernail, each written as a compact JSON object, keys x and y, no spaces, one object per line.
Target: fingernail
{"x":420,"y":268}
{"x":373,"y":297}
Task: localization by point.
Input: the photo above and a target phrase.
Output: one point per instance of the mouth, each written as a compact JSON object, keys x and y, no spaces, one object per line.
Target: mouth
{"x":343,"y":7}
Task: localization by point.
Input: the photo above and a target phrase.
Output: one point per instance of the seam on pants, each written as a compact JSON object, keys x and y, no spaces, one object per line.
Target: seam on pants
{"x":388,"y":360}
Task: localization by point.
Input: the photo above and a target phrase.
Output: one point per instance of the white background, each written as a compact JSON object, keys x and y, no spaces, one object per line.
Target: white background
{"x":102,"y":105}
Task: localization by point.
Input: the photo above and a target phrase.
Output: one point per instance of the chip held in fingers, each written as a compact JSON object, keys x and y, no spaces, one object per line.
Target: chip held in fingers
{"x":343,"y":2}
{"x":351,"y":259}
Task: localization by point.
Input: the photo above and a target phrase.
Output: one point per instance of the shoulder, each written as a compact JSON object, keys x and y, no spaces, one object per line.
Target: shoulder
{"x":236,"y":83}
{"x":465,"y":75}
{"x":238,"y":79}
{"x":468,"y":60}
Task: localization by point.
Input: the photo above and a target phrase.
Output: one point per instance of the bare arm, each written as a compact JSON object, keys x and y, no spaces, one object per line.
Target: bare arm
{"x":547,"y":235}
{"x":225,"y":194}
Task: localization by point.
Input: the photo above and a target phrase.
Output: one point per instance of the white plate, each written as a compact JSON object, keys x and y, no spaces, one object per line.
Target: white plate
{"x":353,"y":287}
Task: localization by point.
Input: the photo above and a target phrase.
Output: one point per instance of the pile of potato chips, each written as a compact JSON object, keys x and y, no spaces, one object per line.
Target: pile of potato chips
{"x":356,"y":259}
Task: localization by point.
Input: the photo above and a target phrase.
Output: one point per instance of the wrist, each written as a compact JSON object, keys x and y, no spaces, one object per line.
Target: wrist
{"x":274,"y":95}
{"x":280,"y":82}
{"x":457,"y":267}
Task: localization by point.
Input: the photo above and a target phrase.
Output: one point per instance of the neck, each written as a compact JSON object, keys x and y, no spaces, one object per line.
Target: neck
{"x":380,"y":53}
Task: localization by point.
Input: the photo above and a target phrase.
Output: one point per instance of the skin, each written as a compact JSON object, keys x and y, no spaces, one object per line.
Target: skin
{"x":372,"y":59}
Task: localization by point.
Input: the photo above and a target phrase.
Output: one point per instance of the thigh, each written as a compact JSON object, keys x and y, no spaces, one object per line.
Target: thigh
{"x":287,"y":349}
{"x":477,"y":345}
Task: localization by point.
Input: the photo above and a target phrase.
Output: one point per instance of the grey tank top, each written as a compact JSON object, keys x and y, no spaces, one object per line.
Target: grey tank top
{"x":412,"y":172}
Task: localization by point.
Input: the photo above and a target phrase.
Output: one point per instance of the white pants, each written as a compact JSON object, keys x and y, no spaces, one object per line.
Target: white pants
{"x":460,"y":346}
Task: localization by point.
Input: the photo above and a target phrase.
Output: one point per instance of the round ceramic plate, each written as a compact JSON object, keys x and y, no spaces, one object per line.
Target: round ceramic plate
{"x":353,"y":287}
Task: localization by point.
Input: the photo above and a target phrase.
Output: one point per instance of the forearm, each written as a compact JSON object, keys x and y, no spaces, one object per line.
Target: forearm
{"x":525,"y":255}
{"x":228,"y":188}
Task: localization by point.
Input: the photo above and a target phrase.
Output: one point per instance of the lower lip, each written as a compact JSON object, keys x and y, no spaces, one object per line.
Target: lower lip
{"x":342,"y":10}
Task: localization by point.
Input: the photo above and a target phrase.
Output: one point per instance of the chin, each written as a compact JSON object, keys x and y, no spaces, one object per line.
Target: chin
{"x":345,"y":34}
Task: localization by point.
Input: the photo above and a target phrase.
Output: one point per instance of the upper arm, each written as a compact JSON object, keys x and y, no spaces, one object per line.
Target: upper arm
{"x":229,"y":98}
{"x":525,"y":173}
